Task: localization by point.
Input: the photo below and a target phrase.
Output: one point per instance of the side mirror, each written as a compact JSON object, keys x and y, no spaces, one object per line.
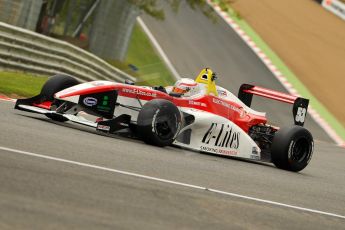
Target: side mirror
{"x":129,"y":82}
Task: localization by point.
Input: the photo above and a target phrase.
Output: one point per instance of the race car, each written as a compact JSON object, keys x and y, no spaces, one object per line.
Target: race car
{"x":193,"y":114}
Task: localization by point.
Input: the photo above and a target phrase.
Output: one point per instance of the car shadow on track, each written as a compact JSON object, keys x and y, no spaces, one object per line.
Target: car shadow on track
{"x":263,"y":163}
{"x":125,"y":137}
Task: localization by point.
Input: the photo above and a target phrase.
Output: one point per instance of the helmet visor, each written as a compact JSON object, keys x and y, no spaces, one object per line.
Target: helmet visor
{"x":178,"y":90}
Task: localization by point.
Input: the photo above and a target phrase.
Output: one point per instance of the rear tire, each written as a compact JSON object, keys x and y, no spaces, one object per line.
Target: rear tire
{"x":159,"y":122}
{"x":292,"y":148}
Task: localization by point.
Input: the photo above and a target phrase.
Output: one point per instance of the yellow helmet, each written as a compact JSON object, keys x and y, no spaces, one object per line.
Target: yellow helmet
{"x":208,"y":77}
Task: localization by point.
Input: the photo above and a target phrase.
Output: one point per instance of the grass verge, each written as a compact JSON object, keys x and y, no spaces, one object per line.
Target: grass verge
{"x":17,"y":84}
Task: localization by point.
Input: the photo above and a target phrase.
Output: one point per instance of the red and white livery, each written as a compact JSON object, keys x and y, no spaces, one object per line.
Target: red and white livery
{"x":193,"y":114}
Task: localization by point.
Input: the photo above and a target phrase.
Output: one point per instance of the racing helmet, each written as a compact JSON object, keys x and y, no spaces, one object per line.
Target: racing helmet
{"x":186,"y":87}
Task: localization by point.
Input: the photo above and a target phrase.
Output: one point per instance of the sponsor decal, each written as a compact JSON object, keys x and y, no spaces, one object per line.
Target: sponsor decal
{"x":90,"y":101}
{"x":139,"y":92}
{"x":222,"y":93}
{"x":255,"y":151}
{"x":66,"y":91}
{"x":97,"y":83}
{"x":254,"y":157}
{"x":124,"y":124}
{"x":103,"y":127}
{"x":227,"y":105}
{"x":104,"y":105}
{"x":218,"y":151}
{"x":197,"y":103}
{"x":291,"y":146}
{"x":311,"y":151}
{"x":242,"y":113}
{"x":153,"y":125}
{"x":221,"y":135}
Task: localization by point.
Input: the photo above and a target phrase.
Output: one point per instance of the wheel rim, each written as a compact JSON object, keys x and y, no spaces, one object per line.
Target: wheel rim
{"x":163,"y":130}
{"x":165,"y":127}
{"x":300,"y":150}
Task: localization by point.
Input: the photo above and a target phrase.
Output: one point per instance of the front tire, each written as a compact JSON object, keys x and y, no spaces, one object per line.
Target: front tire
{"x":292,"y":148}
{"x":57,"y":83}
{"x":159,"y":122}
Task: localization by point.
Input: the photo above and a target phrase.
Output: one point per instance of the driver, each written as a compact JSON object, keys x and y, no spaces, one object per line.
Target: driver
{"x":186,"y":87}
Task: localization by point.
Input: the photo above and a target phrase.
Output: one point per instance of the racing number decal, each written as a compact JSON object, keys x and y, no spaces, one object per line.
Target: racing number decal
{"x":301,"y":113}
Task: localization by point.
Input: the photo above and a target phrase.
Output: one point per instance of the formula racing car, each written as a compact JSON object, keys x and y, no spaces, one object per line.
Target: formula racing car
{"x":193,"y":114}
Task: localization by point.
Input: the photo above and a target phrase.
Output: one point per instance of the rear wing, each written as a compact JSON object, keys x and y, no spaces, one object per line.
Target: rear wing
{"x":300,"y":105}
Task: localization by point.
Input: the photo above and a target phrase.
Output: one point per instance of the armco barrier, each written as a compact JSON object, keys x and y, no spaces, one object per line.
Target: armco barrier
{"x":25,"y":50}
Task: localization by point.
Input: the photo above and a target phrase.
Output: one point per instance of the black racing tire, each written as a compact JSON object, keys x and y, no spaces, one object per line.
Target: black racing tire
{"x":292,"y":148}
{"x":159,"y":122}
{"x":57,"y":83}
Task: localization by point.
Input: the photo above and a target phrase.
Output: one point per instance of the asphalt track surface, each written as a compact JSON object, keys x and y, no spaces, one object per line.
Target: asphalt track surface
{"x":64,"y":176}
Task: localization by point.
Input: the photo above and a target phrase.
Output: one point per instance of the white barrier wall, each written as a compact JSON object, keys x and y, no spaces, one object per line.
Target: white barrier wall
{"x":24,"y":50}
